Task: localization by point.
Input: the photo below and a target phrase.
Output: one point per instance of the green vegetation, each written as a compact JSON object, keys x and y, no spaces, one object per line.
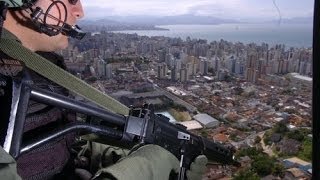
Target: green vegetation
{"x":306,"y":152}
{"x":234,"y":137}
{"x":262,"y":164}
{"x":267,"y":136}
{"x":246,"y":174}
{"x":300,"y":135}
{"x":204,"y":133}
{"x":288,"y":91}
{"x":251,"y":152}
{"x":278,"y":170}
{"x":296,"y":134}
{"x":280,"y":128}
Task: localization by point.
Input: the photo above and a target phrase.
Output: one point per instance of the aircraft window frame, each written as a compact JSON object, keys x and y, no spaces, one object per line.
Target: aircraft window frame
{"x":316,"y":94}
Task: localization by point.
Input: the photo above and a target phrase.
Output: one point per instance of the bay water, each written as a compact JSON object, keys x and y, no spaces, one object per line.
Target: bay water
{"x":291,"y":35}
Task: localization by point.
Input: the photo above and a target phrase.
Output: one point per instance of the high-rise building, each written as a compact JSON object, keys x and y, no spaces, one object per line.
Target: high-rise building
{"x":169,"y":60}
{"x":190,"y":69}
{"x":108,"y":71}
{"x":87,"y":57}
{"x":275,"y":66}
{"x":162,"y":70}
{"x":100,"y":65}
{"x":248,"y":74}
{"x":285,"y":67}
{"x":174,"y":73}
{"x":303,"y":68}
{"x":252,"y":66}
{"x":178,"y":64}
{"x":309,"y":69}
{"x":204,"y":66}
{"x":239,"y":68}
{"x":231,"y":64}
{"x":215,"y":63}
{"x":183,"y":75}
{"x":162,"y":55}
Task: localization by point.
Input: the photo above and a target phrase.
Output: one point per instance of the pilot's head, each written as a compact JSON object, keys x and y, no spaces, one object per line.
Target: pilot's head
{"x":44,"y":25}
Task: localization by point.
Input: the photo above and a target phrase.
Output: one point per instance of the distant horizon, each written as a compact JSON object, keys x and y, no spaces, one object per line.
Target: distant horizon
{"x":150,"y":18}
{"x":240,"y":10}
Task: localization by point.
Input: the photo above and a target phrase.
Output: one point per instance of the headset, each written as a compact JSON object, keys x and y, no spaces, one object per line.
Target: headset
{"x":39,"y":17}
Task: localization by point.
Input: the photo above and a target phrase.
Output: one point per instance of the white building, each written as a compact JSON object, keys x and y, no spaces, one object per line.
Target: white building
{"x":206,"y":121}
{"x":191,"y":125}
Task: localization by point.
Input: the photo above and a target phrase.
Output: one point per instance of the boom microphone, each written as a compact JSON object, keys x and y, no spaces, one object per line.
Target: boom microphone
{"x":39,"y":18}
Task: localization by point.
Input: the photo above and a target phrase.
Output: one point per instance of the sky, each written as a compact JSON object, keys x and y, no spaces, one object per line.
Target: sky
{"x":227,"y":9}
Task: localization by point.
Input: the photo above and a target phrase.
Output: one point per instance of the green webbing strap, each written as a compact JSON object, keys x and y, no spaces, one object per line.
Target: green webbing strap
{"x":56,"y":74}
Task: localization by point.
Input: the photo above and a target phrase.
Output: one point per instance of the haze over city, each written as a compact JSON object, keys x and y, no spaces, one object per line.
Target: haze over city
{"x":240,"y":10}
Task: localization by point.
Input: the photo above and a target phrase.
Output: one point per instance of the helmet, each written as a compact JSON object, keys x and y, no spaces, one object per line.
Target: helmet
{"x":19,"y":3}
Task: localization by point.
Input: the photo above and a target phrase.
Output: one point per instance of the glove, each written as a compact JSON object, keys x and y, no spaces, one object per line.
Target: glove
{"x":8,"y":167}
{"x":197,"y":168}
{"x":149,"y":162}
{"x":100,"y":155}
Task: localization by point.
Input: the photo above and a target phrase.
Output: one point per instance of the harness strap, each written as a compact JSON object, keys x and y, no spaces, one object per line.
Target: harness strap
{"x":56,"y":74}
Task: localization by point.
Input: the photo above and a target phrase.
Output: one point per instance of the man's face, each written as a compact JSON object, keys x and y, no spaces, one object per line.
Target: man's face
{"x":74,"y":12}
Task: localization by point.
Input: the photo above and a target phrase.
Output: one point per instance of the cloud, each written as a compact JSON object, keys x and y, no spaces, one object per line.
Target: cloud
{"x":92,"y":12}
{"x":235,"y":9}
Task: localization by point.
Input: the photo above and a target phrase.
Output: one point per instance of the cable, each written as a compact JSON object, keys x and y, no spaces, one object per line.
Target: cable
{"x":57,"y":28}
{"x":279,"y":12}
{"x":3,"y":12}
{"x":42,"y":24}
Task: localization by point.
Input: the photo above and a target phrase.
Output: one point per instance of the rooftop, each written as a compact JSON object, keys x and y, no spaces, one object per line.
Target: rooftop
{"x":298,"y":76}
{"x":191,"y":125}
{"x":204,"y":118}
{"x":298,"y":161}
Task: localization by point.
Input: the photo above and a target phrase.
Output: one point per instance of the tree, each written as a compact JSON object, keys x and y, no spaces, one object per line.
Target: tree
{"x":263,"y":165}
{"x":251,"y":152}
{"x":306,"y":153}
{"x":280,"y":128}
{"x":296,"y":134}
{"x":246,"y":174}
{"x":266,"y":137}
{"x":278,"y":170}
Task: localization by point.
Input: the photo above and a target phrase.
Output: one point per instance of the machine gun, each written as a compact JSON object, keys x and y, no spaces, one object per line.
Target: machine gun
{"x":141,"y":126}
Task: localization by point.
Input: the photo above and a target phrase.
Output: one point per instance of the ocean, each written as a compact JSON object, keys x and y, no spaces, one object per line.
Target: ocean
{"x":291,"y":35}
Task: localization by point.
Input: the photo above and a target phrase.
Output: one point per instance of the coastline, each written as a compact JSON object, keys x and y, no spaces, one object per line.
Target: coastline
{"x":291,"y":35}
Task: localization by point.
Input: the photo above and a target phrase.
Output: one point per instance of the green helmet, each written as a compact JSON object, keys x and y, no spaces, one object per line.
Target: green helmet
{"x":18,"y":3}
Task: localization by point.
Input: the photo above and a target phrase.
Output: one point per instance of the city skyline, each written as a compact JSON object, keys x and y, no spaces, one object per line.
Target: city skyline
{"x":241,"y":10}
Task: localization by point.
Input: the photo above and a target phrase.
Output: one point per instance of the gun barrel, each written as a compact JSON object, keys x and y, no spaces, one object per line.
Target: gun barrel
{"x":217,"y":152}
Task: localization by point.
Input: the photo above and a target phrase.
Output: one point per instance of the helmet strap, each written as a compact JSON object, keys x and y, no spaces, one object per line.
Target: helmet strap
{"x":3,"y":13}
